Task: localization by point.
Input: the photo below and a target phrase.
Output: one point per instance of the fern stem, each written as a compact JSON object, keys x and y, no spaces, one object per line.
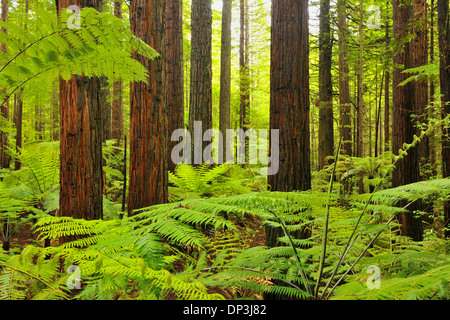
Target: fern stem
{"x":23,"y":82}
{"x":302,"y":273}
{"x":250,"y":269}
{"x":350,"y":243}
{"x":365,"y":250}
{"x":29,"y":46}
{"x":325,"y":230}
{"x":34,"y":277}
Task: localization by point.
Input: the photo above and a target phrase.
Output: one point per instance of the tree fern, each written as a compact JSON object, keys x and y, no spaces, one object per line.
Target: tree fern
{"x":47,"y":48}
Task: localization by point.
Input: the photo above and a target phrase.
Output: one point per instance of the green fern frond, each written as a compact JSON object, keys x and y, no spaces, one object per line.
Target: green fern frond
{"x":430,"y":284}
{"x":47,"y":48}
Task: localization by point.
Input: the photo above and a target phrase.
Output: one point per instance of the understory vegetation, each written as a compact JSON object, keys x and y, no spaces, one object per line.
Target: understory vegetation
{"x":89,"y":102}
{"x":208,"y":242}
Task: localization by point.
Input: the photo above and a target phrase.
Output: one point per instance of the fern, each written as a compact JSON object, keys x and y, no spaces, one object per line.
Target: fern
{"x":135,"y":254}
{"x":31,"y":190}
{"x":46,"y":49}
{"x":420,"y":275}
{"x":113,"y":257}
{"x":177,"y":222}
{"x":203,"y":181}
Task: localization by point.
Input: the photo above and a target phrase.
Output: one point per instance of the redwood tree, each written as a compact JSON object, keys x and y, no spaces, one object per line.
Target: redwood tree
{"x":117,"y":99}
{"x":344,"y":87}
{"x":175,"y":74}
{"x":444,"y":49}
{"x":244,"y":65}
{"x":420,"y":56}
{"x":200,"y":105}
{"x":81,"y":131}
{"x":326,"y":131}
{"x":225,"y":70}
{"x":289,"y":106}
{"x":148,"y":111}
{"x":18,"y":113}
{"x":387,"y":91}
{"x":404,"y":106}
{"x":4,"y":109}
{"x":289,"y":94}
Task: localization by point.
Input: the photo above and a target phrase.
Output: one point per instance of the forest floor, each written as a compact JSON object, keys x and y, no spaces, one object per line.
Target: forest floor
{"x":251,"y":234}
{"x":24,"y":236}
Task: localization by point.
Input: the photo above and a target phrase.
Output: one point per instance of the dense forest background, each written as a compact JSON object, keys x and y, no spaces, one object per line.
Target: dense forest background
{"x":93,"y":205}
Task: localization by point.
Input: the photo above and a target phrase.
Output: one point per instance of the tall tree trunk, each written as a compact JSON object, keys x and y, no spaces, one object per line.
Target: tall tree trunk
{"x":432,"y":142}
{"x":4,"y":110}
{"x":344,"y":88}
{"x":175,"y":74}
{"x":81,"y":182}
{"x":444,"y":49}
{"x":148,"y":109}
{"x":326,"y":131}
{"x":225,"y":71}
{"x":18,"y":110}
{"x":289,"y":103}
{"x":243,"y":65}
{"x":387,"y":83}
{"x":420,"y":59}
{"x":200,"y":105}
{"x":378,"y":117}
{"x":289,"y":98}
{"x":407,"y":169}
{"x":360,"y":100}
{"x":117,"y":100}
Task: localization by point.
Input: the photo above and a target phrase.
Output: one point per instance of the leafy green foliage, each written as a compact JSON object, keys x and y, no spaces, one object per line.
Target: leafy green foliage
{"x":206,"y":236}
{"x":45,"y":47}
{"x":407,"y":275}
{"x":31,"y":191}
{"x":206,"y":181}
{"x":182,"y":248}
{"x":114,"y":257}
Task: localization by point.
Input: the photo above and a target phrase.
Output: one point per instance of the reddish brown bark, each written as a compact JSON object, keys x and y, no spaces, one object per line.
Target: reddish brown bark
{"x":18,"y":111}
{"x":420,"y":56}
{"x":344,"y":88}
{"x":117,"y":100}
{"x":387,"y":91}
{"x":444,"y":51}
{"x":5,"y":159}
{"x":404,"y":106}
{"x":225,"y":69}
{"x":148,"y":110}
{"x":432,"y":137}
{"x":175,"y":74}
{"x":289,"y":102}
{"x":360,"y":99}
{"x":326,"y":131}
{"x":81,"y":129}
{"x":200,"y":105}
{"x":244,"y":65}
